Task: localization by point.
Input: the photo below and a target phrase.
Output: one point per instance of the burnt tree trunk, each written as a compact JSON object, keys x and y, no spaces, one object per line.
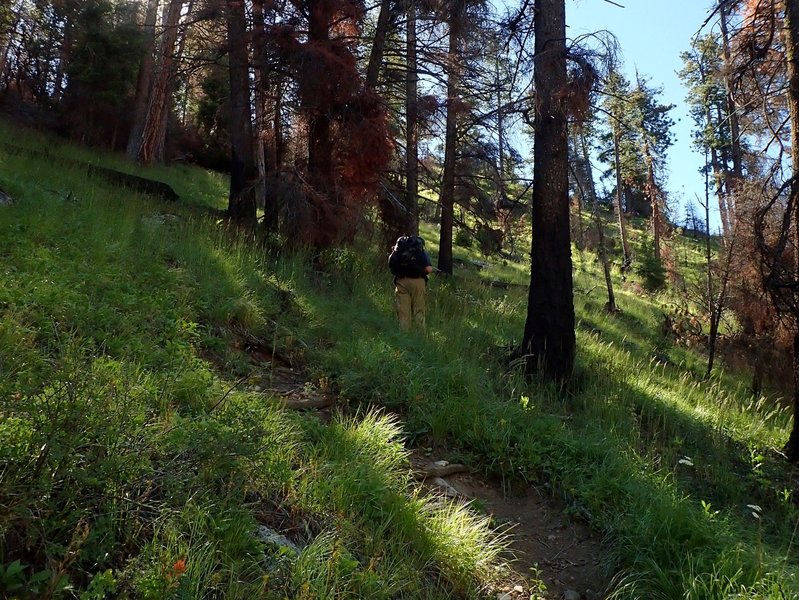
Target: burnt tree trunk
{"x":447,"y":195}
{"x":549,"y":340}
{"x":411,"y":124}
{"x":378,"y":44}
{"x":243,"y":174}
{"x":791,"y":48}
{"x":320,"y":140}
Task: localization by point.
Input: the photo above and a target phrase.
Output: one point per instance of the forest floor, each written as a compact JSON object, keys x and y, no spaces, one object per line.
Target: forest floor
{"x":552,"y":555}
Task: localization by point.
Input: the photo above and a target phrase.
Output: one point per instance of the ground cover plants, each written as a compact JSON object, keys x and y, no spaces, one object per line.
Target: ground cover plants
{"x":139,"y":459}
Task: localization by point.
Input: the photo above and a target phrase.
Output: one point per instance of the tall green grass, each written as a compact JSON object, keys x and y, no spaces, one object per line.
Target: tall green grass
{"x":134,"y":460}
{"x":129,"y":440}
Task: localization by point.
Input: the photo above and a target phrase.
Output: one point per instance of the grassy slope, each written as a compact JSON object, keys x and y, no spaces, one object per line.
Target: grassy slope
{"x":124,"y":450}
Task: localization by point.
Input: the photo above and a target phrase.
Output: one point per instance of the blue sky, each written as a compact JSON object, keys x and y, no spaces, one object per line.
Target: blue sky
{"x":651,"y":36}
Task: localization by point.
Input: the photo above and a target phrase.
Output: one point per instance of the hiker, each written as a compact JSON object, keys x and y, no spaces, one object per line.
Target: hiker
{"x":410,"y":265}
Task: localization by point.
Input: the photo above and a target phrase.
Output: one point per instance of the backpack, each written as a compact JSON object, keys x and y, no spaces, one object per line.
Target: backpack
{"x":407,"y":257}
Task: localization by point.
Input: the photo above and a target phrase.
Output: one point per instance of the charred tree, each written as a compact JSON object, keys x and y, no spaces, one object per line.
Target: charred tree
{"x":549,"y":342}
{"x":243,"y":172}
{"x":411,"y":123}
{"x":447,"y":195}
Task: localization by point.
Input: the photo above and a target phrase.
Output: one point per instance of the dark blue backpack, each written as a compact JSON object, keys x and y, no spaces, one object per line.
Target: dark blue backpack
{"x":407,"y":258}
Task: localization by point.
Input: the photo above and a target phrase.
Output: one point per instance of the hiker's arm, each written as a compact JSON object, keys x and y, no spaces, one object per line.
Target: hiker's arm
{"x":428,"y":269}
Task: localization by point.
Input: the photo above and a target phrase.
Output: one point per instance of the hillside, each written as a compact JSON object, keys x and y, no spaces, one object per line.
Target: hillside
{"x":186,"y":415}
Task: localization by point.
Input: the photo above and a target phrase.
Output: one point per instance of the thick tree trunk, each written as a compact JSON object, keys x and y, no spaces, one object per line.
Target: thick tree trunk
{"x":792,"y":56}
{"x":143,"y":81}
{"x":549,"y":340}
{"x":320,"y":142}
{"x":243,"y":174}
{"x":626,"y":260}
{"x":447,"y":195}
{"x":411,"y":124}
{"x":378,"y":44}
{"x":159,"y":94}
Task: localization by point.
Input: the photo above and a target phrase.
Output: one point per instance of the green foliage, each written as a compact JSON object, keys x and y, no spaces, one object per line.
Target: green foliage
{"x":463,"y":238}
{"x":648,"y":267}
{"x":136,"y":456}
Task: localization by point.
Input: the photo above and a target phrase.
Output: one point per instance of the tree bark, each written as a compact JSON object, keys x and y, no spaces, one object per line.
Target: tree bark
{"x":652,"y":189}
{"x":143,"y":80}
{"x":600,"y":228}
{"x":411,"y":124}
{"x":320,"y":142}
{"x":64,"y":55}
{"x":378,"y":44}
{"x":243,"y":174}
{"x":626,"y":260}
{"x":447,"y":195}
{"x":549,"y":342}
{"x":159,"y":94}
{"x":259,"y":37}
{"x":732,"y":113}
{"x":792,"y":56}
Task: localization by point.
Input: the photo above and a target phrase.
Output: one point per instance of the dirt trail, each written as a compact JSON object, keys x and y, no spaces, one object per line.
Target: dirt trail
{"x":549,"y":548}
{"x":553,"y":556}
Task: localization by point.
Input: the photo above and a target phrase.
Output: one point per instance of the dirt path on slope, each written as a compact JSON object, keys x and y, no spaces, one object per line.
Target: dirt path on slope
{"x":548,"y":546}
{"x":553,"y":556}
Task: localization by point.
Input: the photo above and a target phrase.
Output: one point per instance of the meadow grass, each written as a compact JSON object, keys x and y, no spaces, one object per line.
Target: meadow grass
{"x":134,"y":464}
{"x":128,"y":442}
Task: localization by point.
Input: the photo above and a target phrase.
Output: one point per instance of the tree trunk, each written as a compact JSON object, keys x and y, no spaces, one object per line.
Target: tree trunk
{"x":714,"y":321}
{"x":500,"y":197}
{"x":64,"y":56}
{"x":792,"y":56}
{"x":378,"y":44}
{"x":447,"y":195}
{"x":243,"y":175}
{"x":600,"y":227}
{"x":627,"y":260}
{"x":259,"y":38}
{"x":732,"y":114}
{"x":143,"y":81}
{"x":159,"y":94}
{"x":653,"y":200}
{"x":320,"y":142}
{"x":724,"y":213}
{"x":163,"y":116}
{"x":411,"y":124}
{"x":549,"y":340}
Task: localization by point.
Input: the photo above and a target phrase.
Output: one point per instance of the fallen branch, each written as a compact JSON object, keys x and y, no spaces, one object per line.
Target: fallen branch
{"x":439,"y":471}
{"x":308,"y":403}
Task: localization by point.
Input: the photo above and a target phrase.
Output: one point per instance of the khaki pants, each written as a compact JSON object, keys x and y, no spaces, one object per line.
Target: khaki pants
{"x":409,"y":301}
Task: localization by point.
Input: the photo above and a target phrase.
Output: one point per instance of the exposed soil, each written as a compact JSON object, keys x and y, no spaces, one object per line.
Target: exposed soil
{"x":552,"y":555}
{"x":547,"y":546}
